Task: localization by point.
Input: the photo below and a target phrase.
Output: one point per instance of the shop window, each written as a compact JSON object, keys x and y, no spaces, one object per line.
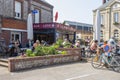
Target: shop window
{"x":18,"y":10}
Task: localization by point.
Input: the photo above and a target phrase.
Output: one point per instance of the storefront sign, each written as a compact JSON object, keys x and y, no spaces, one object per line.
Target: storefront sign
{"x":53,"y":25}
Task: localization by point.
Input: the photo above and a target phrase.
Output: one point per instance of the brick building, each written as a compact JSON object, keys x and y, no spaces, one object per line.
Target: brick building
{"x":13,"y":18}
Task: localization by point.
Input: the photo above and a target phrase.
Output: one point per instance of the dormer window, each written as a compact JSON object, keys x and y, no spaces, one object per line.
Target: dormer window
{"x":17,"y":10}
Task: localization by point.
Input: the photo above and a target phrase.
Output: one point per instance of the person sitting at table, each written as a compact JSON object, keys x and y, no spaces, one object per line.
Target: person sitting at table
{"x":77,"y":44}
{"x":14,"y":49}
{"x":36,"y":44}
{"x":17,"y":49}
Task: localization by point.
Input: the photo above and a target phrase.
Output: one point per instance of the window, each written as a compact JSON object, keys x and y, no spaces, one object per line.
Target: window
{"x":17,"y":10}
{"x":15,"y":36}
{"x":73,"y":26}
{"x":101,"y":19}
{"x":116,"y":34}
{"x":85,"y":28}
{"x":101,"y":35}
{"x":37,"y":16}
{"x":79,"y":28}
{"x":116,"y":16}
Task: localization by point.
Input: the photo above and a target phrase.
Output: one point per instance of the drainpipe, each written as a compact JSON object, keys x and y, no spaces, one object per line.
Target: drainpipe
{"x":110,"y":23}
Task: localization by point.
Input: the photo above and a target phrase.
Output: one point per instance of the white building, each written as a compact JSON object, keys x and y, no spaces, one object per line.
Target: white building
{"x":84,"y":30}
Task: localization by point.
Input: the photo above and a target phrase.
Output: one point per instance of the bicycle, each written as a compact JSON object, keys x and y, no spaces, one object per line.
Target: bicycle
{"x":112,"y":61}
{"x":88,"y":52}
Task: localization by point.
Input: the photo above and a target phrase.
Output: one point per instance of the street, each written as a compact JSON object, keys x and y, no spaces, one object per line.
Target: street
{"x":70,"y":71}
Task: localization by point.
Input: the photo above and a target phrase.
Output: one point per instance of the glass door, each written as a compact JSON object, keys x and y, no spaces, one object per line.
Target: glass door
{"x":15,"y":36}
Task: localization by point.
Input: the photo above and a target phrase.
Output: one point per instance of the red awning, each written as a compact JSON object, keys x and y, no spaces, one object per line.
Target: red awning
{"x":57,"y":26}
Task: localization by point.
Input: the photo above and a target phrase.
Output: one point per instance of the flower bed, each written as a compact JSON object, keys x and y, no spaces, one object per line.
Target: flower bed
{"x":20,"y":63}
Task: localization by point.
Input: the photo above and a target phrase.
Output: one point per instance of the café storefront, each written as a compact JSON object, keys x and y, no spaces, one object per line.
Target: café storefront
{"x":50,"y":32}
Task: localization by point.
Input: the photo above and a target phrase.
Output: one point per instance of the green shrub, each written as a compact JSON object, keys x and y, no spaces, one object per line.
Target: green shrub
{"x":28,"y":52}
{"x":67,"y":45}
{"x":48,"y":50}
{"x":44,"y":50}
{"x":32,"y":55}
{"x":59,"y":43}
{"x":64,"y":52}
{"x":52,"y":50}
{"x":39,"y":51}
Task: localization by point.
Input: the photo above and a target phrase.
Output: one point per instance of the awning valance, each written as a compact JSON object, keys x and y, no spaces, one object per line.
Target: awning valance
{"x":57,"y":26}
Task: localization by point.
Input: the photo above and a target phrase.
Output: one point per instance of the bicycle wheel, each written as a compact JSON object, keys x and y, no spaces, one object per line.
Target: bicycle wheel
{"x":96,"y":61}
{"x":115,"y":64}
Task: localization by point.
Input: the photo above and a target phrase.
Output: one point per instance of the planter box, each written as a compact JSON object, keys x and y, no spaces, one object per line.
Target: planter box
{"x":16,"y":64}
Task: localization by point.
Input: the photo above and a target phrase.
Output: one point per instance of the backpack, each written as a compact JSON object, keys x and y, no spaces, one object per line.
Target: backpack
{"x":106,"y":48}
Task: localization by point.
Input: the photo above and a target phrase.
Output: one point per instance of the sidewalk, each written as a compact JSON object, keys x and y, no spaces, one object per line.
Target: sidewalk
{"x":71,"y":71}
{"x":3,"y":70}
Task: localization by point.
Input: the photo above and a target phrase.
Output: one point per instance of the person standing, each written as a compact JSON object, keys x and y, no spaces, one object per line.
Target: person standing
{"x":17,"y":49}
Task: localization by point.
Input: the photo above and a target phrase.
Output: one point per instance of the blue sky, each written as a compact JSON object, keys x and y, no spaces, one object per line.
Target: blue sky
{"x":75,"y":10}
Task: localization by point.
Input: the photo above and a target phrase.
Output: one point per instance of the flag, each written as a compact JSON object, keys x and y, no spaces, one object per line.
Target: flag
{"x":56,"y":16}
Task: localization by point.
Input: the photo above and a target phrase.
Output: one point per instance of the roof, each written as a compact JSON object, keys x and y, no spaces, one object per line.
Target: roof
{"x":105,"y":5}
{"x":78,"y":23}
{"x":45,"y":2}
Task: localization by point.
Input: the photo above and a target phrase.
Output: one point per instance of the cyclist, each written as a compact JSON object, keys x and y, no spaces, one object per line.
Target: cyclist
{"x":106,"y":52}
{"x":94,"y":46}
{"x":112,"y":44}
{"x":106,"y":48}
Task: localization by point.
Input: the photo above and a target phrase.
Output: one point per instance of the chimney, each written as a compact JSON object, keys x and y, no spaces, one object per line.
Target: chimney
{"x":104,"y":1}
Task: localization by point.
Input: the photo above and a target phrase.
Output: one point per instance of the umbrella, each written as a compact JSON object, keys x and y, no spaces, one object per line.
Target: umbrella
{"x":97,"y":26}
{"x":29,"y":28}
